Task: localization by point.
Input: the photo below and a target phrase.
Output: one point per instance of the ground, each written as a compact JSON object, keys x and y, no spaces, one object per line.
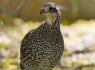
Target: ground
{"x":79,"y":39}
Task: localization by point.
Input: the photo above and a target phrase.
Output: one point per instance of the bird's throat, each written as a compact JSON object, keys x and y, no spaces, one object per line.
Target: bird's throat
{"x":50,"y":20}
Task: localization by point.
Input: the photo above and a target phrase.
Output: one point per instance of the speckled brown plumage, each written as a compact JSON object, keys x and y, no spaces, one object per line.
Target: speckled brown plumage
{"x":42,"y":47}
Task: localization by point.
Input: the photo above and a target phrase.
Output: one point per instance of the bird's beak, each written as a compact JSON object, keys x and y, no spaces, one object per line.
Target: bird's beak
{"x":42,"y":11}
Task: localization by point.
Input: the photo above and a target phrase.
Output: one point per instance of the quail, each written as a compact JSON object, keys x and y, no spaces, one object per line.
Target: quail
{"x":42,"y":48}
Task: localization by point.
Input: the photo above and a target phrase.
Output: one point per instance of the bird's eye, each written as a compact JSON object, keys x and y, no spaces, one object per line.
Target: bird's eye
{"x":50,"y":8}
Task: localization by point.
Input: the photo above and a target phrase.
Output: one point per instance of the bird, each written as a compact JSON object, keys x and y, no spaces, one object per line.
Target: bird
{"x":42,"y":47}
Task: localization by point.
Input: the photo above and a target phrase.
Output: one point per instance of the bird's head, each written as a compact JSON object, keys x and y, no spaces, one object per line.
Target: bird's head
{"x":51,"y":10}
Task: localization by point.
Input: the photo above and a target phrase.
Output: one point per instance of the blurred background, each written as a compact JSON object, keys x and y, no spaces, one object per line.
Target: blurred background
{"x":17,"y":17}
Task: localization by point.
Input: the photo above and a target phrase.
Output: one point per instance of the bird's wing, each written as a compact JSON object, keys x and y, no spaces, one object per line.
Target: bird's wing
{"x":25,"y":43}
{"x":25,"y":46}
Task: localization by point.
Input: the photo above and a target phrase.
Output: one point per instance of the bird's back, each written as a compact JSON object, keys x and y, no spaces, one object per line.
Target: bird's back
{"x":42,"y":48}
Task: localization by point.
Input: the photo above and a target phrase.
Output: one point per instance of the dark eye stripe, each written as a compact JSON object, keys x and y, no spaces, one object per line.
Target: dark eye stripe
{"x":50,"y":8}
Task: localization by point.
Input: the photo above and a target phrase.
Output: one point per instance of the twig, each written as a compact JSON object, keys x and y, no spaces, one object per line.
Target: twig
{"x":19,"y":7}
{"x":8,"y":17}
{"x":5,"y":9}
